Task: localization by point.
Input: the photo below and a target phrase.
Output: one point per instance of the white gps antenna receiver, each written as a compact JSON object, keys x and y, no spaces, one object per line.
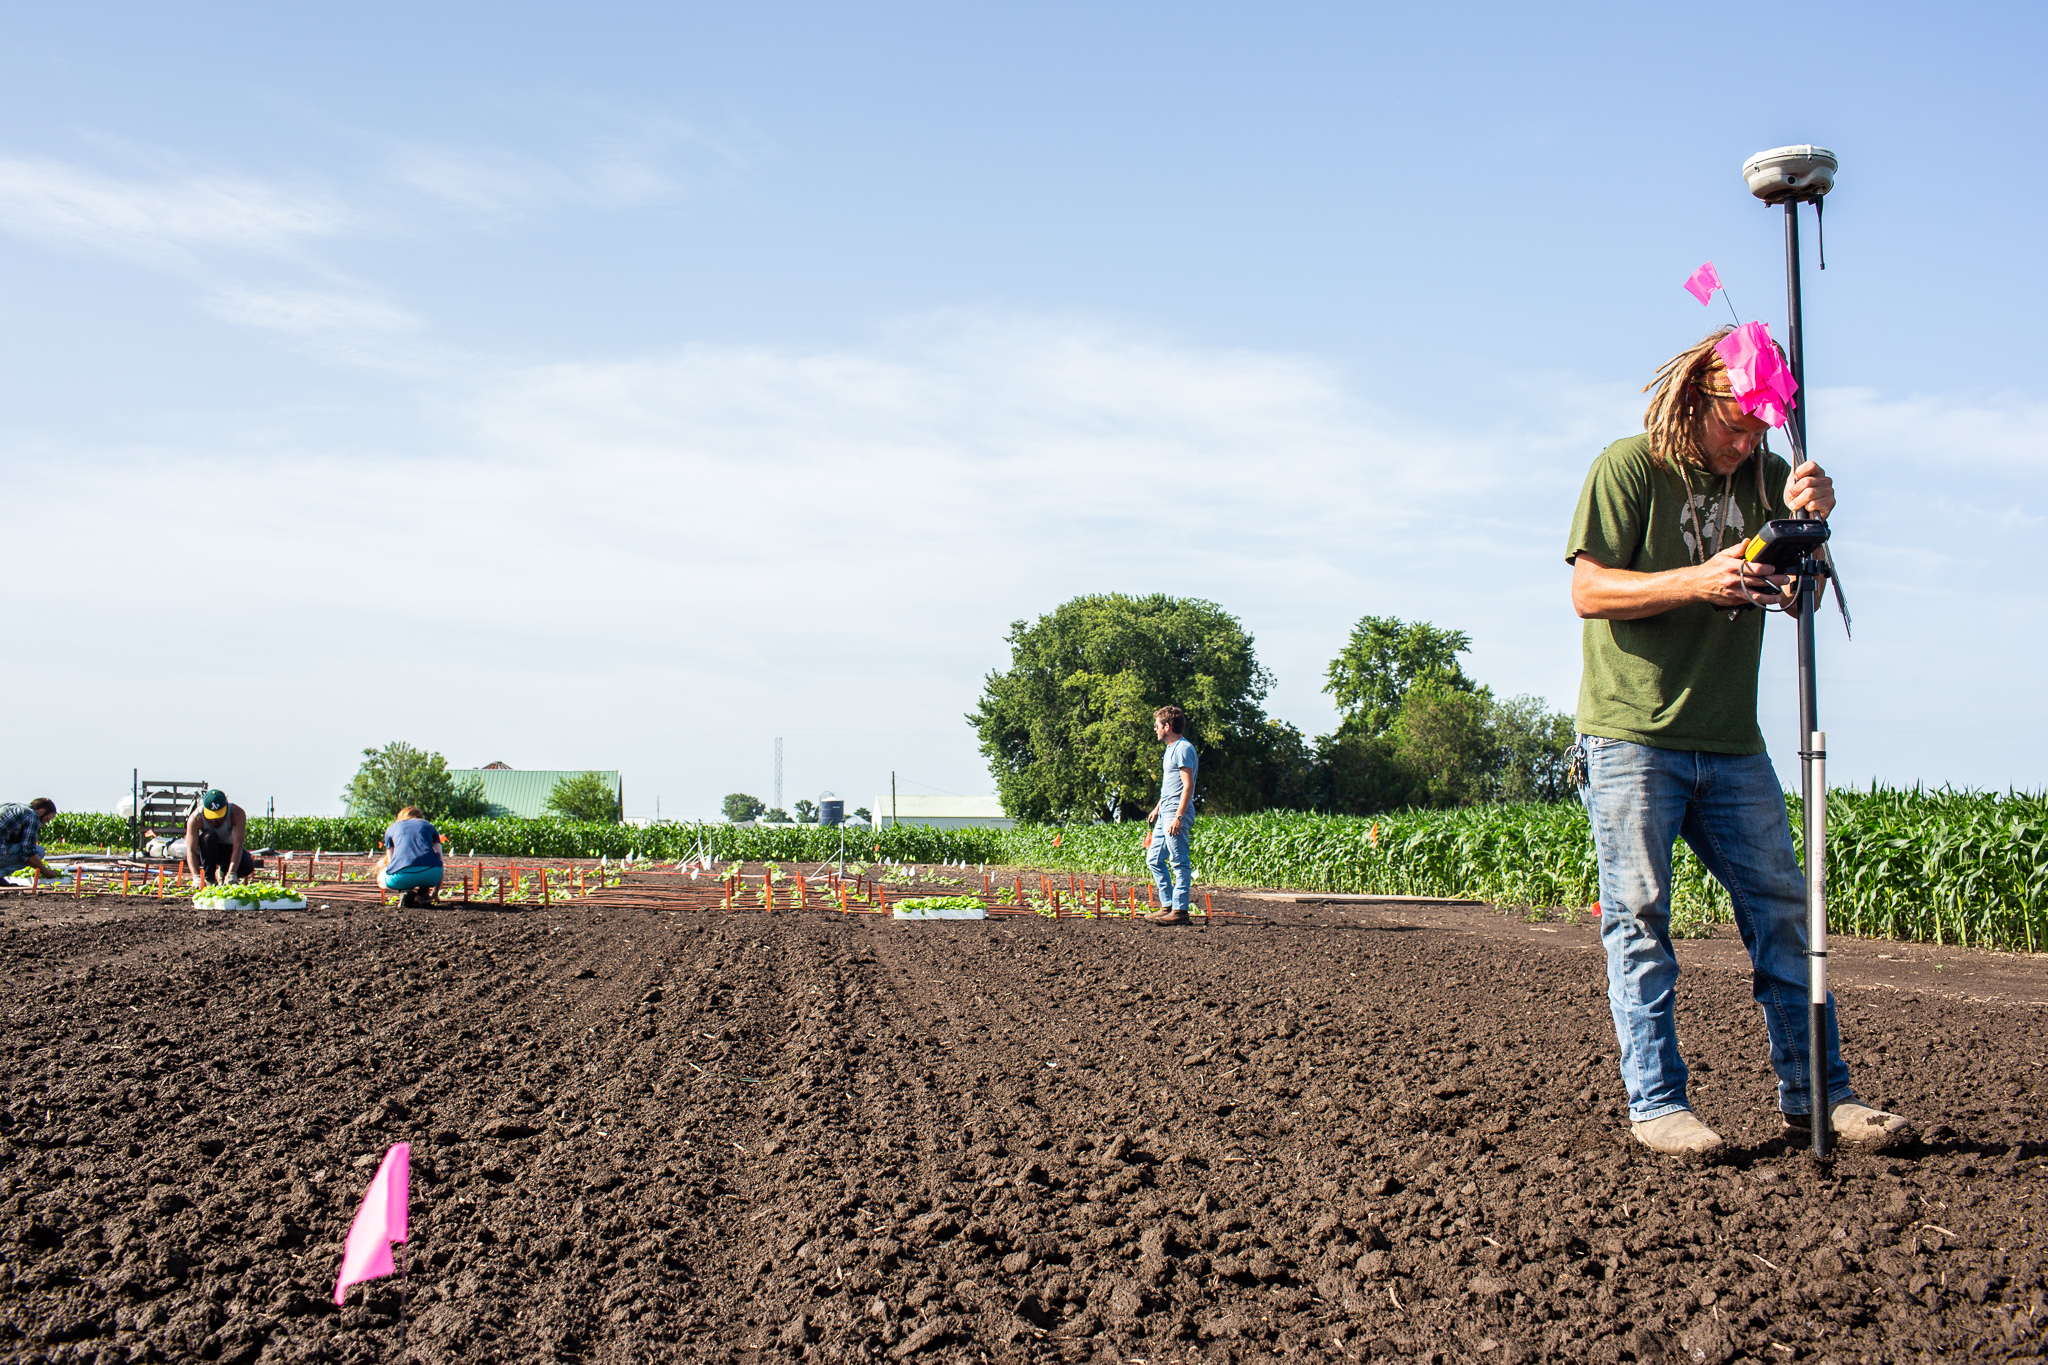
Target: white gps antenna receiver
{"x":1794,"y":175}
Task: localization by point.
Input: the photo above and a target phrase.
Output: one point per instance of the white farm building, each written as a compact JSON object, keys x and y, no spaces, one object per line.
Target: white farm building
{"x":941,"y":812}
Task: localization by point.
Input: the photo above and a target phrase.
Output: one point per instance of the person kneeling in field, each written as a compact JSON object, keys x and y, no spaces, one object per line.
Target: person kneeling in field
{"x":412,"y":859}
{"x":1668,"y":740}
{"x":216,"y":839}
{"x":20,"y":826}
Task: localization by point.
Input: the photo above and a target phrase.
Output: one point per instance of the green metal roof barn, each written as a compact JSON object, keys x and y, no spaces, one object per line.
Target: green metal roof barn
{"x":524,"y":791}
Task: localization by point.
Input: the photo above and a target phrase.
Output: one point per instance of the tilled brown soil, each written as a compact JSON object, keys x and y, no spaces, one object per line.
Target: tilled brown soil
{"x":1348,"y":1132}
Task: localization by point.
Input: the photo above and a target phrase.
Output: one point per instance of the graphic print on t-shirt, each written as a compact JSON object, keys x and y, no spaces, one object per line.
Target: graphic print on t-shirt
{"x":1701,"y":521}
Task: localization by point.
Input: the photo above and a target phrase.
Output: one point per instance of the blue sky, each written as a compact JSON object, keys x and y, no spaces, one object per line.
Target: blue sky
{"x":625,"y":386}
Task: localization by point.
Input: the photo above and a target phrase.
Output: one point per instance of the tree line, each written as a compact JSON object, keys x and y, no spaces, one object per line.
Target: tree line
{"x":1067,"y":728}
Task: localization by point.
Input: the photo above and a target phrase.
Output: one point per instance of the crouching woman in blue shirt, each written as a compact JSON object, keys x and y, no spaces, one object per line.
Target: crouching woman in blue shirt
{"x":412,"y":859}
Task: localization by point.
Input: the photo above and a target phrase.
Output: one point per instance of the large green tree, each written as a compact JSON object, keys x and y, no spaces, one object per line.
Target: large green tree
{"x":1442,"y":737}
{"x":740,"y":807}
{"x":1418,"y":732}
{"x":1531,"y":742}
{"x":1386,"y":657}
{"x":398,"y":775}
{"x":1067,"y":728}
{"x":586,"y":796}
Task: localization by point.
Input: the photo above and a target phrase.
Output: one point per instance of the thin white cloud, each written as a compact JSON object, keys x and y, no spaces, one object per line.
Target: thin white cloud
{"x":168,"y":215}
{"x":494,"y":183}
{"x":306,"y":312}
{"x":657,"y":559}
{"x":1945,"y":435}
{"x":644,"y":158}
{"x":487,"y":182}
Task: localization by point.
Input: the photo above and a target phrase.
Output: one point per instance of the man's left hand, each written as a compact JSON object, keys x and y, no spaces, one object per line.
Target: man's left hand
{"x":1811,"y":490}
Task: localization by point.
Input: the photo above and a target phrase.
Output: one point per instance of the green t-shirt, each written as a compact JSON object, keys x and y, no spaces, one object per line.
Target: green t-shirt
{"x":1685,"y":679}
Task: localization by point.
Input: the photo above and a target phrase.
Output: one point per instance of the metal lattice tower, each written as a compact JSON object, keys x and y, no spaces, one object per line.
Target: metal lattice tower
{"x":778,"y":774}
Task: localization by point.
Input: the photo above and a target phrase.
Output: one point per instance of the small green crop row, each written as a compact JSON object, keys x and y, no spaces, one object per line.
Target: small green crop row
{"x":1945,"y":866}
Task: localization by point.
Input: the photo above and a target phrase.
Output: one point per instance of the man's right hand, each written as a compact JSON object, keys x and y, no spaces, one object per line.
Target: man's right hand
{"x":1721,"y":580}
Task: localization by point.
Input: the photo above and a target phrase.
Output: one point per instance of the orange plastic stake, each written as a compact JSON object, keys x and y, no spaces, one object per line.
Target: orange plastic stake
{"x":1057,"y":913}
{"x":124,"y":881}
{"x":543,"y":888}
{"x":501,"y":890}
{"x":579,"y":881}
{"x":1209,"y":904}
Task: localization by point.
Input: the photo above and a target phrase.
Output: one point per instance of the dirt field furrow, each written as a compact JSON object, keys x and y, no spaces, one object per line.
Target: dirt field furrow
{"x":1343,"y":1133}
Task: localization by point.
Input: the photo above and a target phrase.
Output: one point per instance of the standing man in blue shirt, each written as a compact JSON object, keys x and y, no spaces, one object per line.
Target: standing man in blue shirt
{"x":1173,"y":819}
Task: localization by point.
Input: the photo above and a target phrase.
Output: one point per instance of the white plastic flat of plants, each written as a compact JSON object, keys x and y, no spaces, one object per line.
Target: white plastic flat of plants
{"x":948,"y":912}
{"x":25,"y":880}
{"x":224,"y":903}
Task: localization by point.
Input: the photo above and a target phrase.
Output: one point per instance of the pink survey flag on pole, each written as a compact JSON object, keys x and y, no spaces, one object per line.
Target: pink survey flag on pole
{"x":1757,"y":372}
{"x":1702,"y":283}
{"x":379,"y":1222}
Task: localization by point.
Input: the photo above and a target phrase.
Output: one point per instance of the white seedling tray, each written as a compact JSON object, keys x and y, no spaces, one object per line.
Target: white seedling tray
{"x":978,"y":912}
{"x":26,"y":880}
{"x":221,"y":903}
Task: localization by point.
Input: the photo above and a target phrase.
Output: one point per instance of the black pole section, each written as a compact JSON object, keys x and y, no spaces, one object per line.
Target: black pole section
{"x":1795,"y":420}
{"x":1809,"y":705}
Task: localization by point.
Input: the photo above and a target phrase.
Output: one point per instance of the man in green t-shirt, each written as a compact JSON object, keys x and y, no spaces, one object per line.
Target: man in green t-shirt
{"x":1670,"y":744}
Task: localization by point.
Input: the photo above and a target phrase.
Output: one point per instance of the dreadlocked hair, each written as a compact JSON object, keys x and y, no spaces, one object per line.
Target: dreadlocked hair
{"x":1676,"y":419}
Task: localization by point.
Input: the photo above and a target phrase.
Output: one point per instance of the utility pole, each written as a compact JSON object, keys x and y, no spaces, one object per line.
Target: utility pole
{"x":778,"y":774}
{"x":892,"y":799}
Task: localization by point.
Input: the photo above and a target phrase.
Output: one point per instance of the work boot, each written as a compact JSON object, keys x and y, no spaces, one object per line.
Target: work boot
{"x":1168,"y":916}
{"x":1856,"y":1123}
{"x":411,"y":900}
{"x":1678,"y":1133}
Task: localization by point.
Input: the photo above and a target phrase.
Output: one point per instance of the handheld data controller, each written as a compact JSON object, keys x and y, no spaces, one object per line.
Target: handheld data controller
{"x":1783,"y":544}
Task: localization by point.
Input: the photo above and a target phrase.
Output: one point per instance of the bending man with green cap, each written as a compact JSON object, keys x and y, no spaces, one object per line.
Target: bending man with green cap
{"x":215,"y":834}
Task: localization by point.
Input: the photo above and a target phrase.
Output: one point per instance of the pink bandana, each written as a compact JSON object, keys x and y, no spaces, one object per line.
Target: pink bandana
{"x":1757,"y":373}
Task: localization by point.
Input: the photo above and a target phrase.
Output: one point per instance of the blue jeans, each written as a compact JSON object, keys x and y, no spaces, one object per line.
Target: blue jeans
{"x":1173,"y":847}
{"x":1730,"y":812}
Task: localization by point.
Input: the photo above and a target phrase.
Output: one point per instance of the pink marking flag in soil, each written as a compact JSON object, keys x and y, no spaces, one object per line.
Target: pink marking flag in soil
{"x":1702,"y":283}
{"x":379,"y":1222}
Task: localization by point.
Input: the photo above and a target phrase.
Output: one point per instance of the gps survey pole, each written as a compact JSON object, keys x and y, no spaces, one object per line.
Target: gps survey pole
{"x":1791,"y":176}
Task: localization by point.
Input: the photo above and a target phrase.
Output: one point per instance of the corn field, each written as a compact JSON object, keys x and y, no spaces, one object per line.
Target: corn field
{"x":1968,"y":868}
{"x":1938,"y":866}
